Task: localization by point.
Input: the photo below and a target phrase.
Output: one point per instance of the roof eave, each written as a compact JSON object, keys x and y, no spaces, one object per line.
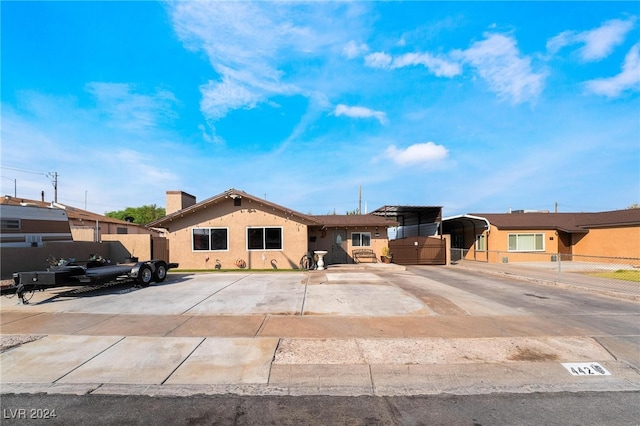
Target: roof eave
{"x":231,"y":193}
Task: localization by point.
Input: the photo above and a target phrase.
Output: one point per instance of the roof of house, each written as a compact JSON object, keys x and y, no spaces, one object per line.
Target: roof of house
{"x":321,"y":220}
{"x":615,"y":217}
{"x":73,"y":213}
{"x":567,"y":222}
{"x":354,"y":220}
{"x":231,"y":193}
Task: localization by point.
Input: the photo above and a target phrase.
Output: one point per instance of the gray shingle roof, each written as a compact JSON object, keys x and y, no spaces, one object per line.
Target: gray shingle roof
{"x":568,"y":222}
{"x":340,"y":220}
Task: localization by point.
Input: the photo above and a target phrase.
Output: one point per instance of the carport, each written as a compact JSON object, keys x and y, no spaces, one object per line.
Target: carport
{"x":418,"y":238}
{"x":465,"y":230}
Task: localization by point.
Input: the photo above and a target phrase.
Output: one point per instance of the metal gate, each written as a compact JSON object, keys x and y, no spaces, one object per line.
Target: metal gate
{"x":419,"y":251}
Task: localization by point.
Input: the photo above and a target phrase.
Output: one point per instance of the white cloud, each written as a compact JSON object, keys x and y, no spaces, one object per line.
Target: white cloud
{"x":597,"y":43}
{"x":417,"y":154}
{"x":628,"y":79}
{"x":378,"y":60}
{"x":360,"y":112}
{"x":439,"y":66}
{"x":352,"y":49}
{"x":496,"y":58}
{"x":561,"y":40}
{"x":251,"y":44}
{"x":499,"y":62}
{"x":220,"y":97}
{"x":126,"y":109}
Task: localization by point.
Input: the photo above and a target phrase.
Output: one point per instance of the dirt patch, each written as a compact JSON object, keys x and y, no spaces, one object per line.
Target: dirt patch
{"x":528,"y":354}
{"x":438,"y":304}
{"x":315,"y":279}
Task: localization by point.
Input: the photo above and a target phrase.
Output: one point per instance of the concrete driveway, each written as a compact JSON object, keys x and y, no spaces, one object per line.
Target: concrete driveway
{"x":343,"y":331}
{"x":334,"y":293}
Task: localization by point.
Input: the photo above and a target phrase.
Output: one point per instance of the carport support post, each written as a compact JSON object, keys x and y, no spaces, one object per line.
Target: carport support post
{"x":559,"y":266}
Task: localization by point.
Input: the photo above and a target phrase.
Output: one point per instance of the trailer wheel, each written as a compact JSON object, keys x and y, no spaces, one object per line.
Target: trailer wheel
{"x":161,"y":272}
{"x":145,"y":276}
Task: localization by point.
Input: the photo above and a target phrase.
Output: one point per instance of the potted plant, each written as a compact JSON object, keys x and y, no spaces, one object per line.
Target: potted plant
{"x":386,"y":255}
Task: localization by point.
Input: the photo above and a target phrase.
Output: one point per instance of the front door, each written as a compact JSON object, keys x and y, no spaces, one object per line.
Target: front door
{"x":339,"y":247}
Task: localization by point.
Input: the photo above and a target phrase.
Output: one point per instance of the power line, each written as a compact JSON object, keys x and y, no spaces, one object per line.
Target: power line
{"x":52,"y":175}
{"x":23,"y":170}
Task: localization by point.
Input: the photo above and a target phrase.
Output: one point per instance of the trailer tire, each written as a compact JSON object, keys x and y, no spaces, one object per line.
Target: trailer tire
{"x":145,"y":276}
{"x":161,"y":272}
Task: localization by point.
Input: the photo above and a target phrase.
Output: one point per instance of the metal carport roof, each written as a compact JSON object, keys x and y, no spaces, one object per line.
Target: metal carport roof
{"x":478,"y":222}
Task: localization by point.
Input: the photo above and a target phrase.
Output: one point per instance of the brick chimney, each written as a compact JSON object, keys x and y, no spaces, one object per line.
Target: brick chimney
{"x":178,"y":200}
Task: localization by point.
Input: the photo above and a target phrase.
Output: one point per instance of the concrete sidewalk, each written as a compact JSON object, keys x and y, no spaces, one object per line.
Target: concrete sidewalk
{"x":272,"y":366}
{"x":345,"y":331}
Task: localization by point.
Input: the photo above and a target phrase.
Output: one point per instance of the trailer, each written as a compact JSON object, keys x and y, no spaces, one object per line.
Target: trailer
{"x":93,"y":272}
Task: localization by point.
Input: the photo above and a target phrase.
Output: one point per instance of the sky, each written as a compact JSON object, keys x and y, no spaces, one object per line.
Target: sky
{"x":472,"y":106}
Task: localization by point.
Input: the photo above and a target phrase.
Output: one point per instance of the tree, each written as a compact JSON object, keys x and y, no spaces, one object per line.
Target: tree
{"x":139,"y":215}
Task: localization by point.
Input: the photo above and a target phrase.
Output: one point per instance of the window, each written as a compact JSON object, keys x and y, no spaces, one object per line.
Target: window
{"x":120,"y":230}
{"x":361,"y":239}
{"x":264,"y":238}
{"x":526,"y":242}
{"x":10,"y":224}
{"x":210,"y":239}
{"x":481,"y":242}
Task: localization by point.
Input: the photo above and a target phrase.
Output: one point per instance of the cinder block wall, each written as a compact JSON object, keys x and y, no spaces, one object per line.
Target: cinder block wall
{"x":18,"y":259}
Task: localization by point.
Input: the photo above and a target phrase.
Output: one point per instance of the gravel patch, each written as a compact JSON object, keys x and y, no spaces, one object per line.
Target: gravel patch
{"x":8,"y":341}
{"x":428,"y":351}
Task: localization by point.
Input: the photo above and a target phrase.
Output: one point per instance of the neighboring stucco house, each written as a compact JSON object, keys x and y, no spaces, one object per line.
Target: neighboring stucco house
{"x":536,"y":236}
{"x":85,"y":225}
{"x":235,"y":229}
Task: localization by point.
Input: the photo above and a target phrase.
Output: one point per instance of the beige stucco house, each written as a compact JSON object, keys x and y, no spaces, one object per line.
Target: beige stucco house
{"x":236,"y":230}
{"x":541,"y":236}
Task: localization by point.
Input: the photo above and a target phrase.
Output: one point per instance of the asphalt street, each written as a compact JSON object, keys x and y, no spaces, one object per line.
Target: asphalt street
{"x":586,"y":408}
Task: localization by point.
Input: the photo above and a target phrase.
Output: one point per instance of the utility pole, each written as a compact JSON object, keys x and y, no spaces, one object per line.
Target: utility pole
{"x":54,"y":177}
{"x":360,"y":200}
{"x":15,"y":186}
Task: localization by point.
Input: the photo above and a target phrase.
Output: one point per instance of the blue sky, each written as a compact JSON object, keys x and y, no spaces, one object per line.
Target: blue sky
{"x":473,"y":106}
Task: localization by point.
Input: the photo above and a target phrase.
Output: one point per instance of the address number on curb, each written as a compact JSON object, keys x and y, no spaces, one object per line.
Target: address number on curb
{"x":585,"y":369}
